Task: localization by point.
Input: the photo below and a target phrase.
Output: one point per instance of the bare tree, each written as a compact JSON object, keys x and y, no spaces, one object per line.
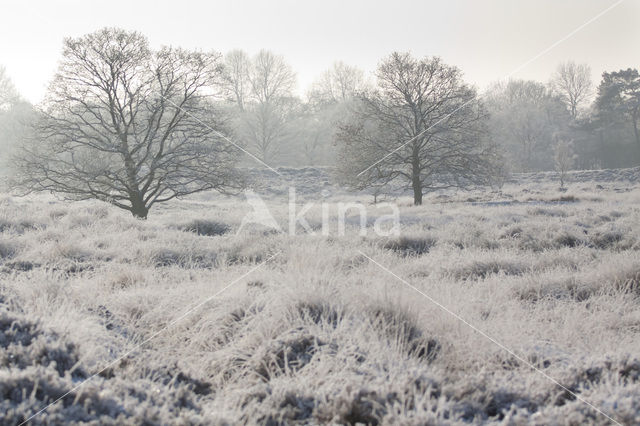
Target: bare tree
{"x":525,"y":118}
{"x":8,"y":92}
{"x":271,"y":78}
{"x":128,"y":125}
{"x":15,"y":114}
{"x":328,"y":100}
{"x":270,"y":106}
{"x":266,"y":126}
{"x":423,"y":125}
{"x":237,"y":69}
{"x":340,"y":83}
{"x":572,"y":82}
{"x":565,"y":157}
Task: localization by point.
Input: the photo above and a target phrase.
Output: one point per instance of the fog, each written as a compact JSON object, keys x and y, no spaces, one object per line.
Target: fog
{"x":487,"y":40}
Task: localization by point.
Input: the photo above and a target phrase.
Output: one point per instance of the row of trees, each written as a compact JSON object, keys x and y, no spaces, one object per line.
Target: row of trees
{"x":276,"y":125}
{"x":529,"y":119}
{"x":525,"y":119}
{"x":14,"y":113}
{"x":135,"y":126}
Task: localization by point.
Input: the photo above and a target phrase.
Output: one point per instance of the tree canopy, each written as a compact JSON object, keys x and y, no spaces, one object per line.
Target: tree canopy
{"x":421,"y":125}
{"x":129,"y":125}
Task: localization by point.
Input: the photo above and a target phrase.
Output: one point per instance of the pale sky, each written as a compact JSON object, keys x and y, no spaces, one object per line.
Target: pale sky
{"x":486,"y":39}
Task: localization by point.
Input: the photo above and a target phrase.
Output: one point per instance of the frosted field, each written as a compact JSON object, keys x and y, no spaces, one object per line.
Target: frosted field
{"x":307,"y":329}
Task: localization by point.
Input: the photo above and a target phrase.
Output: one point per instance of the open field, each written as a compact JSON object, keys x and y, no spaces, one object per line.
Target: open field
{"x":307,"y":329}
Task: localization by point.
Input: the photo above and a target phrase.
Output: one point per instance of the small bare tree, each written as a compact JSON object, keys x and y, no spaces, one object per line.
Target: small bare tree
{"x":565,"y":158}
{"x":572,"y":82}
{"x":128,"y":125}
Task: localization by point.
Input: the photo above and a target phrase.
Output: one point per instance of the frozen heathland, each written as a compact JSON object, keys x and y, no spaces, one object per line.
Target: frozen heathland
{"x":299,"y":329}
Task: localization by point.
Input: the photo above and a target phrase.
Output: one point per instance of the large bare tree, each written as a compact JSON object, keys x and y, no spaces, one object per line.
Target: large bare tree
{"x":572,"y":82}
{"x":422,"y":125}
{"x":128,"y":125}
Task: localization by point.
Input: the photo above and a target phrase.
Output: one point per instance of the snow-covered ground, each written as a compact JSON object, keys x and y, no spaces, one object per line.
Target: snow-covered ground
{"x":187,"y":321}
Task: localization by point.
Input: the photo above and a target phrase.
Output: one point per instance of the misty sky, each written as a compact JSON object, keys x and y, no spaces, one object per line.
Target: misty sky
{"x":486,"y":39}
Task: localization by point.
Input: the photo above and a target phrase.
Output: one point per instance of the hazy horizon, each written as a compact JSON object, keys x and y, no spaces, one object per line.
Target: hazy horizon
{"x":486,"y":40}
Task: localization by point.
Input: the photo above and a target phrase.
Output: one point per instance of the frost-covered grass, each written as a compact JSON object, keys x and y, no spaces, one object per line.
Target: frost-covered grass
{"x":319,"y":334}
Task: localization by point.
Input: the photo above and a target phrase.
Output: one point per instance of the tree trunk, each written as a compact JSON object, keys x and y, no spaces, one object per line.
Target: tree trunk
{"x":138,"y":209}
{"x":636,"y":132}
{"x":417,"y":186}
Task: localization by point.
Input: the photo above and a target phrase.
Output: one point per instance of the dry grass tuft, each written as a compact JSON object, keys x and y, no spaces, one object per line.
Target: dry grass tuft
{"x":398,"y":329}
{"x":482,"y":269}
{"x":411,"y":246}
{"x":209,"y":228}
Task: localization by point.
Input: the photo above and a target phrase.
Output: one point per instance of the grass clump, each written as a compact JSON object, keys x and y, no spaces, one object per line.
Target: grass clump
{"x":411,"y":246}
{"x":567,"y":240}
{"x":628,"y":281}
{"x":607,"y":240}
{"x":37,"y":367}
{"x":208,"y":228}
{"x":320,"y":313}
{"x":398,"y":329}
{"x":288,"y":353}
{"x":541,"y":211}
{"x":565,"y":199}
{"x":7,"y":250}
{"x":186,"y":258}
{"x":483,"y":269}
